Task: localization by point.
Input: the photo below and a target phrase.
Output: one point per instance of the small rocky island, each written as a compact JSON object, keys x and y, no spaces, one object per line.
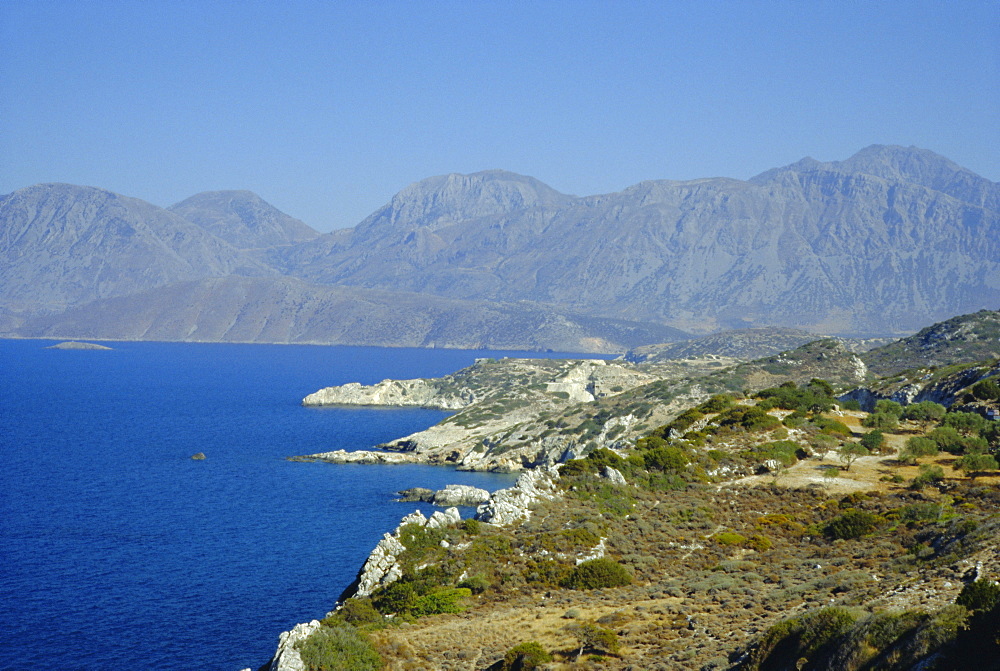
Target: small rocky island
{"x":72,"y":344}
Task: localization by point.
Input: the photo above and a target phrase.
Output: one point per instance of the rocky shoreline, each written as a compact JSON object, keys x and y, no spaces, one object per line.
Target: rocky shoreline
{"x":501,"y":508}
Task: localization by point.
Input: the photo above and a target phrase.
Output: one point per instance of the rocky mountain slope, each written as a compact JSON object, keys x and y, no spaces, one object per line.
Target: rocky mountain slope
{"x":883,"y":242}
{"x":63,"y":245}
{"x":962,"y":339}
{"x":243,"y":219}
{"x":743,"y":344}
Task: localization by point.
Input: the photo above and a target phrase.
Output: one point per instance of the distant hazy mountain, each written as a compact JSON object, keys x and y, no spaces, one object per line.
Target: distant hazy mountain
{"x":288,"y":310}
{"x":63,"y":245}
{"x":243,"y":219}
{"x":884,"y":242}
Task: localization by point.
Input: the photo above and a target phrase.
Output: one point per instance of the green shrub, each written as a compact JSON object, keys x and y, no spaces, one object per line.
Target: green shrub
{"x":981,"y":595}
{"x":926,"y":511}
{"x":920,"y":446}
{"x":971,"y":463}
{"x":442,"y":600}
{"x":986,"y":390}
{"x":873,"y":441}
{"x":966,"y":423}
{"x":359,"y":611}
{"x":853,"y":523}
{"x":817,"y":396}
{"x":851,"y":404}
{"x":397,"y":597}
{"x":525,"y":656}
{"x":340,"y":648}
{"x":880,"y":420}
{"x":476,"y":584}
{"x":590,"y":636}
{"x":928,"y":474}
{"x":786,"y":452}
{"x":831,"y":426}
{"x":730,"y":538}
{"x":806,"y":636}
{"x":665,"y":459}
{"x":597,"y":574}
{"x":717,"y":403}
{"x":885,"y":406}
{"x":925,"y":411}
{"x":850,"y":452}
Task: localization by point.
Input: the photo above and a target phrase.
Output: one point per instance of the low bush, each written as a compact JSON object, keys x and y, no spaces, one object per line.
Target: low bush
{"x":796,"y":638}
{"x":853,"y":523}
{"x":358,"y":612}
{"x":929,"y":474}
{"x":881,"y":420}
{"x":525,"y":656}
{"x":442,"y":600}
{"x":981,"y":595}
{"x":339,"y":648}
{"x":597,"y":574}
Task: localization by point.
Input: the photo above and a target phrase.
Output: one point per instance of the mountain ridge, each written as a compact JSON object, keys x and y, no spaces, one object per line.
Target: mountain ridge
{"x":878,"y":244}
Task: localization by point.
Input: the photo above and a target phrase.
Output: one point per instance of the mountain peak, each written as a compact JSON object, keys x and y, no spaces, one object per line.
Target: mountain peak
{"x":444,"y":199}
{"x":911,"y":165}
{"x":243,"y":219}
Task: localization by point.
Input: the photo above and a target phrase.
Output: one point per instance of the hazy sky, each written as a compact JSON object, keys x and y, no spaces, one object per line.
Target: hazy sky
{"x":326,"y":109}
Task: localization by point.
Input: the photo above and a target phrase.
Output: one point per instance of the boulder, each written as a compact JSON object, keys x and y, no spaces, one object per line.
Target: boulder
{"x":460,"y":495}
{"x":287,"y":657}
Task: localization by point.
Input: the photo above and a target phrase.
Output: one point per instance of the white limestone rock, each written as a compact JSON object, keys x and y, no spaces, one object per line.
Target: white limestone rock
{"x":460,"y":495}
{"x":513,"y":504}
{"x":614,"y":476}
{"x":381,"y":567}
{"x":395,"y":393}
{"x":362,"y":457}
{"x":287,"y":657}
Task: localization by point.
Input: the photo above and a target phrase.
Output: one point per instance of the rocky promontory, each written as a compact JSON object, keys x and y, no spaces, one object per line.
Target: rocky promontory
{"x":397,"y":393}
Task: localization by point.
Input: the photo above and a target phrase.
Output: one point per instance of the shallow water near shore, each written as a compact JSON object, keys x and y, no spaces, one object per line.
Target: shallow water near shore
{"x":118,"y":551}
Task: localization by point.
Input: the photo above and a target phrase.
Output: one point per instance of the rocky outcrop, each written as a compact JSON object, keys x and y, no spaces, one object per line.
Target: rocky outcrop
{"x":397,"y":393}
{"x":923,"y":385}
{"x":360,"y":457}
{"x":414,"y":494}
{"x":460,"y":495}
{"x":511,"y":505}
{"x":287,"y":657}
{"x":451,"y":495}
{"x":499,"y":427}
{"x":381,"y":567}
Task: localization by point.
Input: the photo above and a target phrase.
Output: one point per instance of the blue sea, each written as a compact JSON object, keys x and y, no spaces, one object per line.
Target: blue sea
{"x":118,"y":551}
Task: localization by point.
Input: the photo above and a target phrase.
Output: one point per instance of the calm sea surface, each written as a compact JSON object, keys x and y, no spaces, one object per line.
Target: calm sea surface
{"x":118,"y":551}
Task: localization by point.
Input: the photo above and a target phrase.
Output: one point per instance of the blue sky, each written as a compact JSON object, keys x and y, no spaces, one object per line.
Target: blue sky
{"x":326,"y":109}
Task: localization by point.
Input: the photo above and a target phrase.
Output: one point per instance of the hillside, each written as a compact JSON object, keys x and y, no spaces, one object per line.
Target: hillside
{"x":667,"y":555}
{"x":876,"y":245}
{"x":243,"y":219}
{"x":288,"y":310}
{"x":743,"y":344}
{"x":63,"y":245}
{"x":962,"y":339}
{"x":831,"y":248}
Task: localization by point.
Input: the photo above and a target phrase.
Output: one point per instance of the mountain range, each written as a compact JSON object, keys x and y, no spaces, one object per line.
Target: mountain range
{"x":880,"y":244}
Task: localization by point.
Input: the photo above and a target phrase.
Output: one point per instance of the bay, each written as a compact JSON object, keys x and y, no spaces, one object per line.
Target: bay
{"x":121,"y":552}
